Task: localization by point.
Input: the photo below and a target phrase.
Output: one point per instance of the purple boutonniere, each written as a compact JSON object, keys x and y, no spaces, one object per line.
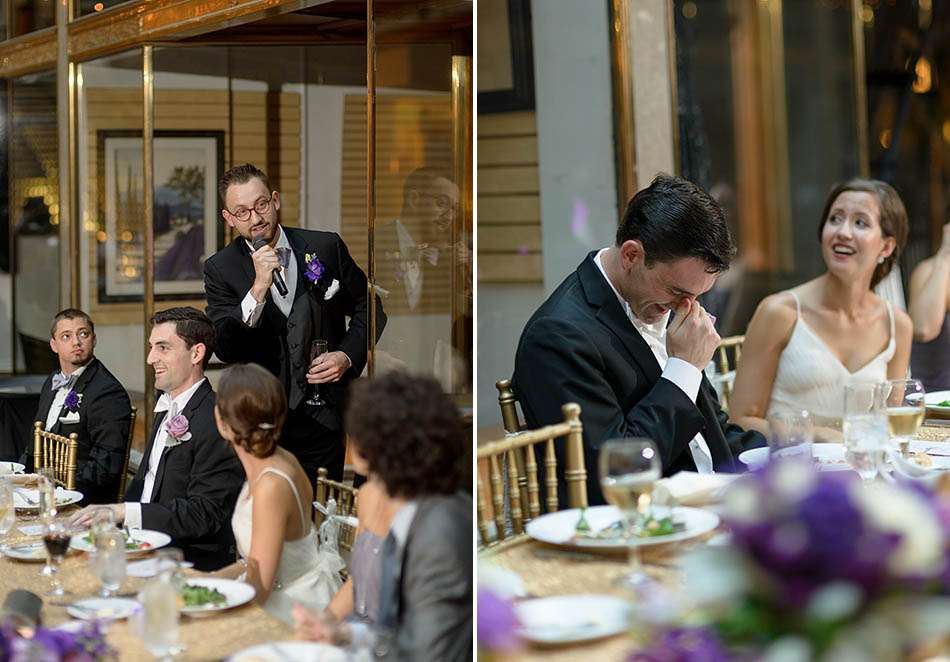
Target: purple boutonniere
{"x":73,"y":400}
{"x":177,"y":429}
{"x":315,"y":267}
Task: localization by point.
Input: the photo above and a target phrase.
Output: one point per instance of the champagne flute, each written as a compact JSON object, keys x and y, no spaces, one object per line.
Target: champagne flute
{"x":905,"y":410}
{"x":865,"y":428}
{"x":56,"y":538}
{"x":7,"y":510}
{"x":108,"y":560}
{"x":317,"y":348}
{"x":46,"y":493}
{"x":628,"y":470}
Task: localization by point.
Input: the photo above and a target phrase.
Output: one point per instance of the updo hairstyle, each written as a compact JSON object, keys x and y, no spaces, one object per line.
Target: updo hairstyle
{"x":253,"y":403}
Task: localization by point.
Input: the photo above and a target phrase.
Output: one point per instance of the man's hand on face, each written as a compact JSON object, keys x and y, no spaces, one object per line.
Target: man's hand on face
{"x":265,"y":262}
{"x":691,"y":335}
{"x":83,"y":519}
{"x":328,"y":367}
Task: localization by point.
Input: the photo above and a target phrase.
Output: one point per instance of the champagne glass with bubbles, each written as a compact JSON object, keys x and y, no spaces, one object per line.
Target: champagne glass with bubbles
{"x":905,"y":410}
{"x":628,"y":470}
{"x":865,"y":428}
{"x":317,"y":348}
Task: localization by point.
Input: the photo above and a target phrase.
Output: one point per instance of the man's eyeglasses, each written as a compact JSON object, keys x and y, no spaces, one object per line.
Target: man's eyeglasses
{"x":261,"y":207}
{"x":441,"y":201}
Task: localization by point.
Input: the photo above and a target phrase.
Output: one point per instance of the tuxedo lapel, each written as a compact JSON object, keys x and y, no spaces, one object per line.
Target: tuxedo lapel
{"x":78,"y":387}
{"x":147,"y":456}
{"x":300,"y":250}
{"x":611,"y":315}
{"x":188,"y":412}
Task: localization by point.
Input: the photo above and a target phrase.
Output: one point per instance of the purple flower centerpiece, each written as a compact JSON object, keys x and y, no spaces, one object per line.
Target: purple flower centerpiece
{"x":822,"y":563}
{"x":72,"y":401}
{"x":88,"y":644}
{"x":315,"y":267}
{"x":177,"y":428}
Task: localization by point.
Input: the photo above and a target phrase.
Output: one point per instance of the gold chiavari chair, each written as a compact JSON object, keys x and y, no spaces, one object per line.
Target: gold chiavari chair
{"x":56,"y":451}
{"x":523,"y":510}
{"x":124,"y":476}
{"x":727,"y":369}
{"x":346,"y":504}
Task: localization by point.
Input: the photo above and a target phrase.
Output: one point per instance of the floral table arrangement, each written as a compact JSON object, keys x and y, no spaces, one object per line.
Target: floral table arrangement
{"x":821,"y":567}
{"x":86,"y":644}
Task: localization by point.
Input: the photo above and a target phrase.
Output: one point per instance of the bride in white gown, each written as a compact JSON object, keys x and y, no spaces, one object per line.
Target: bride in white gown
{"x":275,"y":536}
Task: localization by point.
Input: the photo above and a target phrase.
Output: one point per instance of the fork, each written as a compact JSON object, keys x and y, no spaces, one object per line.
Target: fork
{"x":30,"y":500}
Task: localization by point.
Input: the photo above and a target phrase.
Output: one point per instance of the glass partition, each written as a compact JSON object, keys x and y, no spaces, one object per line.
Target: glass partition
{"x":6,"y":248}
{"x":110,"y":213}
{"x":34,"y":213}
{"x":84,"y":7}
{"x":422,"y":241}
{"x":31,"y":15}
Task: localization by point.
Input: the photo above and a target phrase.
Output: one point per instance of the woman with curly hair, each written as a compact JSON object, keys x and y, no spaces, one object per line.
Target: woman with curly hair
{"x":272,"y":527}
{"x":416,"y":525}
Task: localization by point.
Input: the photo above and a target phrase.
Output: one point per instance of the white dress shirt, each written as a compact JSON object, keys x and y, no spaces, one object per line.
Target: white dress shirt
{"x":170,"y":407}
{"x":60,"y":398}
{"x":250,"y":308}
{"x":682,"y":373}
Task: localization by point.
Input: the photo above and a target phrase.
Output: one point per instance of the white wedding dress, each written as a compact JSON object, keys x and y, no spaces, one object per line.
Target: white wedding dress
{"x":304,"y":575}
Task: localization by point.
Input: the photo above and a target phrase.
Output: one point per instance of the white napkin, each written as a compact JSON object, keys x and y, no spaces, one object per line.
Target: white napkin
{"x":150,"y":567}
{"x":689,"y":488}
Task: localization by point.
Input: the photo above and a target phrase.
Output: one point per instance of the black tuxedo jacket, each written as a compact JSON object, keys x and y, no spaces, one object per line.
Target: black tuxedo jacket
{"x":196,"y":486}
{"x":105,"y":414}
{"x":282,"y":344}
{"x":580,"y":346}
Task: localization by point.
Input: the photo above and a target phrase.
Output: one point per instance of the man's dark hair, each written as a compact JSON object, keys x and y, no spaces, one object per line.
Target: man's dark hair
{"x":423,"y":180}
{"x":893,"y":219}
{"x":192,"y":326}
{"x":410,"y":433}
{"x":241,"y":174}
{"x":70,"y":314}
{"x":673,"y":218}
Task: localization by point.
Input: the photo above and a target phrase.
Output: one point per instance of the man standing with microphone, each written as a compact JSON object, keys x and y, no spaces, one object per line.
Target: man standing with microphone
{"x":271,"y":293}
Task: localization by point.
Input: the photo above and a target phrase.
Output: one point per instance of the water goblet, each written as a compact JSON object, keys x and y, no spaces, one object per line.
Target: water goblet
{"x":56,"y":537}
{"x":791,"y":435}
{"x":906,"y":408}
{"x":864,"y":427}
{"x":628,"y":469}
{"x":7,"y":509}
{"x":46,"y":493}
{"x":108,"y":560}
{"x":317,"y":348}
{"x":156,"y":623}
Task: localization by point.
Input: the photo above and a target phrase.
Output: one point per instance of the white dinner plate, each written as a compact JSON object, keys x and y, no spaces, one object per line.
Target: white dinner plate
{"x":102,"y":608}
{"x":284,"y":651}
{"x":145,"y":540}
{"x":235,"y":592}
{"x":559,"y":528}
{"x":27,"y":498}
{"x":566,"y":619}
{"x":11,"y":468}
{"x":27,"y":551}
{"x":831,"y":457}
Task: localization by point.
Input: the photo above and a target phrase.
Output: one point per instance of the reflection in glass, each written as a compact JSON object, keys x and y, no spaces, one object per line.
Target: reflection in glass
{"x":34,"y":204}
{"x":95,"y":6}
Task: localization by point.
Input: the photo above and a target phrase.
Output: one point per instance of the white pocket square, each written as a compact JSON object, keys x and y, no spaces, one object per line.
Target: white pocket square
{"x":332,"y":290}
{"x":71,"y":417}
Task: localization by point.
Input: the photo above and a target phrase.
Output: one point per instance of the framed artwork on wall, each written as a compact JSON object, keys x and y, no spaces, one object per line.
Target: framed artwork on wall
{"x":505,"y":58}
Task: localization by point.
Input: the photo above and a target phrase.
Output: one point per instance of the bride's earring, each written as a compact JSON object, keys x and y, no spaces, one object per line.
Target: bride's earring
{"x":880,"y":259}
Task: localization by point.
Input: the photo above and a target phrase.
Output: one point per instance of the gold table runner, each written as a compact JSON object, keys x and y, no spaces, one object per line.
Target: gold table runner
{"x":214,"y":636}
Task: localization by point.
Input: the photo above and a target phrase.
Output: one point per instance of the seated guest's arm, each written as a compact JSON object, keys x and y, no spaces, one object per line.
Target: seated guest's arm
{"x":563,"y":364}
{"x":903,"y":338}
{"x":341,"y":605}
{"x":765,"y":339}
{"x":929,"y":282}
{"x":109,"y":416}
{"x":233,"y":571}
{"x":273,"y":504}
{"x":208,"y":502}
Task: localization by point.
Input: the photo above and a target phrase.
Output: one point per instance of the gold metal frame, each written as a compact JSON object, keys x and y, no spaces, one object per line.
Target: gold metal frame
{"x":625,"y":146}
{"x":860,"y":88}
{"x":148,"y":275}
{"x":371,"y":183}
{"x":462,"y":161}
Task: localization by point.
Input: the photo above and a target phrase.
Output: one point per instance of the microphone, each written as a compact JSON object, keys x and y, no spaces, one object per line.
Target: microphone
{"x":278,"y":279}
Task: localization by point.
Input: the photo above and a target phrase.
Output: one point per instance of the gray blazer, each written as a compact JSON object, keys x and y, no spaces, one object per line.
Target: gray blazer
{"x":434,"y":595}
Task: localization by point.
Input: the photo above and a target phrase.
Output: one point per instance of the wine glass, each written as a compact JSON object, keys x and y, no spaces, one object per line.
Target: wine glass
{"x":56,"y":538}
{"x":317,"y":348}
{"x":7,"y":510}
{"x":108,"y":559}
{"x":864,"y":426}
{"x":791,"y":435}
{"x":46,"y":494}
{"x":905,"y":410}
{"x":628,"y":470}
{"x":156,"y":623}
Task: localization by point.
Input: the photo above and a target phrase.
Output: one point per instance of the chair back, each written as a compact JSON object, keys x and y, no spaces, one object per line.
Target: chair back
{"x":56,"y":451}
{"x":346,"y":505}
{"x":727,"y":359}
{"x":522,"y":509}
{"x":509,"y":410}
{"x":124,"y":476}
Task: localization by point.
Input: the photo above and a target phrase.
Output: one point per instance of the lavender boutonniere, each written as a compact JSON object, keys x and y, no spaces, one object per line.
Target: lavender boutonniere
{"x":72,"y":401}
{"x":315,"y":267}
{"x":177,"y":429}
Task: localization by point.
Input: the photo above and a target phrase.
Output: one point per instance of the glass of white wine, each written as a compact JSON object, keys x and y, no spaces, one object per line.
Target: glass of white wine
{"x":865,"y":428}
{"x":906,"y":407}
{"x":628,"y":470}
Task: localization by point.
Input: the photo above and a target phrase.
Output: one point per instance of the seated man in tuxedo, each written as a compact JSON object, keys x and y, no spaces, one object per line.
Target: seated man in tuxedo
{"x":189,"y":478}
{"x":85,"y":398}
{"x":604,"y":338}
